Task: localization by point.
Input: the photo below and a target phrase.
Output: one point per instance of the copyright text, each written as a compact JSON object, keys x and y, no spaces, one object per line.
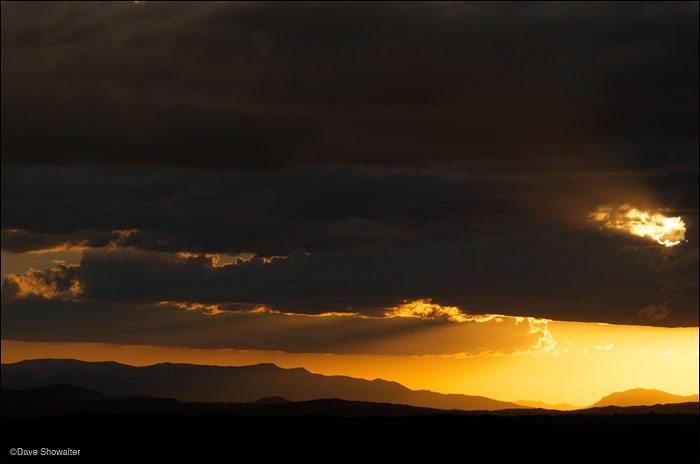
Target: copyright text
{"x":44,"y":452}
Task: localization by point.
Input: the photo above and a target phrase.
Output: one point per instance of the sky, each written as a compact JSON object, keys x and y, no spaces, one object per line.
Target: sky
{"x":466,"y":197}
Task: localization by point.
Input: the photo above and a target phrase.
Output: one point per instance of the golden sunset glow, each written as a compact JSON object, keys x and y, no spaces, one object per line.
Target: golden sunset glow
{"x":567,"y":362}
{"x":666,"y":231}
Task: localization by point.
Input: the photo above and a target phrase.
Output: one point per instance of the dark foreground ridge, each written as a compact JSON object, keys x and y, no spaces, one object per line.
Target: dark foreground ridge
{"x":194,"y":382}
{"x":68,"y":399}
{"x":109,"y":428}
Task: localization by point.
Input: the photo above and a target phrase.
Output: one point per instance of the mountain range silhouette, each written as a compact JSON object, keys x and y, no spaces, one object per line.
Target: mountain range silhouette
{"x":642,"y":397}
{"x":184,"y":413}
{"x":261,"y":385}
{"x":66,"y":399}
{"x":192,"y":382}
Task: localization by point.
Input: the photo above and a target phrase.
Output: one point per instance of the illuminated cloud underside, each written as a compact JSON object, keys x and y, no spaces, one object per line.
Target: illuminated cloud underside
{"x":426,"y":309}
{"x":43,"y":284}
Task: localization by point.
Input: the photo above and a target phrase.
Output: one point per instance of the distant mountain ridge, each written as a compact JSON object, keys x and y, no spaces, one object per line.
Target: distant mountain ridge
{"x":61,"y":400}
{"x":266,"y":384}
{"x":543,"y":405}
{"x":642,"y":397}
{"x":192,"y":382}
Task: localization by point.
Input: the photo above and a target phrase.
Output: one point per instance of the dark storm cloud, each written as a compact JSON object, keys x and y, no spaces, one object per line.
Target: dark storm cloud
{"x":270,"y":85}
{"x":394,"y":151}
{"x":314,"y":209}
{"x":511,"y":242}
{"x":37,"y":319}
{"x":576,"y":278}
{"x":317,"y":209}
{"x":579,"y":277}
{"x":22,"y":240}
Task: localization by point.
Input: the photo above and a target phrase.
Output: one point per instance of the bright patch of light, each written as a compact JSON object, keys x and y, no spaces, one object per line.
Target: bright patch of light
{"x":666,"y":231}
{"x":426,"y":309}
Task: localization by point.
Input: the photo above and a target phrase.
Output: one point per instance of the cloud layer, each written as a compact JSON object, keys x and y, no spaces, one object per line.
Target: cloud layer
{"x":214,"y":159}
{"x":563,"y":281}
{"x":267,"y":86}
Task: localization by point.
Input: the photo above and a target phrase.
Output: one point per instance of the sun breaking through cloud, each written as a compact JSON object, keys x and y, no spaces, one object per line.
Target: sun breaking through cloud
{"x":666,"y":231}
